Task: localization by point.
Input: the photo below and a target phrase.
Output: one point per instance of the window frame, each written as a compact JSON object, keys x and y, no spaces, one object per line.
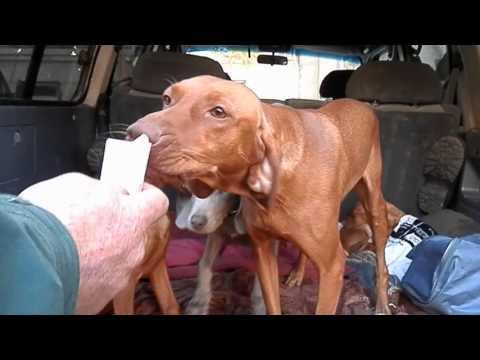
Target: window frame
{"x":31,"y":78}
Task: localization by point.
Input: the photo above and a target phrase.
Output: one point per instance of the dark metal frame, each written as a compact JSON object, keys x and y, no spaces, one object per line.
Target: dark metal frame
{"x":31,"y":79}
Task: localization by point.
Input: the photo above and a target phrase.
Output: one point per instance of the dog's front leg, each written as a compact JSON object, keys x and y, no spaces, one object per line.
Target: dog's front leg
{"x":267,"y":270}
{"x":199,"y":304}
{"x":123,"y":303}
{"x":163,"y":289}
{"x":256,"y":298}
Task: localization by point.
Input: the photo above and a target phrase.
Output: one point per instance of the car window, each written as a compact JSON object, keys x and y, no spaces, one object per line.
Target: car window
{"x":300,"y":78}
{"x":127,"y":59}
{"x":432,"y":54}
{"x":14,"y":61}
{"x":62,"y":71}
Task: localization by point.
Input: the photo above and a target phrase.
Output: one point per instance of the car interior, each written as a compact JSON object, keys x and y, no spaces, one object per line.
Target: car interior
{"x":59,"y":104}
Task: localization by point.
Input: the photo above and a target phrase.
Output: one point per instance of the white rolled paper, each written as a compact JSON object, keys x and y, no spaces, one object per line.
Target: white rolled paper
{"x":125,"y":163}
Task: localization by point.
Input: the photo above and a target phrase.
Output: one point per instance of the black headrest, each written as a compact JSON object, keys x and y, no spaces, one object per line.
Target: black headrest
{"x":334,"y":84}
{"x":395,"y":83}
{"x":155,"y":72}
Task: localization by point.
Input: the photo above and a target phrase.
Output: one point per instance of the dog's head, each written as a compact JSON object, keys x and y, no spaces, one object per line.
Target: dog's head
{"x":356,"y":232}
{"x":204,"y":216}
{"x":209,"y":131}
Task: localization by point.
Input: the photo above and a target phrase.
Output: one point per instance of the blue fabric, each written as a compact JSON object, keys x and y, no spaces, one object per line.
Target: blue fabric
{"x":426,"y":257}
{"x":444,"y":276}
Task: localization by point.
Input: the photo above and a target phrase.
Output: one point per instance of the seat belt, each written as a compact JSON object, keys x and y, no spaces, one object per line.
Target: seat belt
{"x":103,"y":105}
{"x":451,"y":88}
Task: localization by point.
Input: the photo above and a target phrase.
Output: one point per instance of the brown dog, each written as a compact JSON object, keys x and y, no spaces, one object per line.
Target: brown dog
{"x":291,"y":167}
{"x":154,"y":268}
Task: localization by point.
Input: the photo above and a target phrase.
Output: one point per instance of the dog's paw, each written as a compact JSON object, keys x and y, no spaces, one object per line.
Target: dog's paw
{"x":197,"y":307}
{"x":295,"y":278}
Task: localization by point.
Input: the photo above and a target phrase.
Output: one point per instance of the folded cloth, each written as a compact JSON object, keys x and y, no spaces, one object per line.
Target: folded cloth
{"x":408,"y":233}
{"x":183,"y":255}
{"x":184,"y":252}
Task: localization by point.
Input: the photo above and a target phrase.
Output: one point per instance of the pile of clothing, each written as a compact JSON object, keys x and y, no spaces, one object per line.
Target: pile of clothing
{"x":438,"y":273}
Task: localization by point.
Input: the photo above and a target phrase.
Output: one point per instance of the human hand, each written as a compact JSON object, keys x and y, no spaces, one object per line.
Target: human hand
{"x":108,"y":227}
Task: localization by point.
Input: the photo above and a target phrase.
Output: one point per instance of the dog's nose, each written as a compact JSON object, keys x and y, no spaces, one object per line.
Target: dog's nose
{"x":139,"y":128}
{"x":198,"y":221}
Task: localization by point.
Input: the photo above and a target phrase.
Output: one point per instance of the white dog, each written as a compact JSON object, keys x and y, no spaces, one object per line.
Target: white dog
{"x":217,"y":216}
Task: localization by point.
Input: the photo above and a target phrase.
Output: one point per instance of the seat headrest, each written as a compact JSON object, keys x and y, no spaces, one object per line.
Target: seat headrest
{"x":395,"y":83}
{"x":334,"y":84}
{"x":305,"y":103}
{"x":155,"y":72}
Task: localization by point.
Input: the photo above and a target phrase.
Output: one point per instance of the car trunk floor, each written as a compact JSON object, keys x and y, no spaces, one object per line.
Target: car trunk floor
{"x":233,"y":278}
{"x":231,"y":289}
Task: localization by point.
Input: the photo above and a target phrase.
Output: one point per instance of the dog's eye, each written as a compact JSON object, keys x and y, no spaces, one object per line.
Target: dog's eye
{"x":218,"y":112}
{"x":166,"y":100}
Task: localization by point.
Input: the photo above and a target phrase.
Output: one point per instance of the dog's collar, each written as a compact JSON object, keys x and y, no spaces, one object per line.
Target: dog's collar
{"x":237,"y":209}
{"x":234,"y":211}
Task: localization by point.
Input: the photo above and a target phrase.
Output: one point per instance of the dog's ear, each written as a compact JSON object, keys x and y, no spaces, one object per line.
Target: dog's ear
{"x":261,"y":176}
{"x":199,"y":188}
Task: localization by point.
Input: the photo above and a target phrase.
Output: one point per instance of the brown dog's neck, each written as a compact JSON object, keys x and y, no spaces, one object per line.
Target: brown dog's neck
{"x":283,"y":135}
{"x":280,"y":139}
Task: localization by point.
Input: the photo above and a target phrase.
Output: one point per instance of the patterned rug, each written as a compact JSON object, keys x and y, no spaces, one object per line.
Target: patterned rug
{"x":231,"y":292}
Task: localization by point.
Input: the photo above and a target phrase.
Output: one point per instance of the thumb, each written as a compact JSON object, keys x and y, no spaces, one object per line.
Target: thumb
{"x":150,"y":204}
